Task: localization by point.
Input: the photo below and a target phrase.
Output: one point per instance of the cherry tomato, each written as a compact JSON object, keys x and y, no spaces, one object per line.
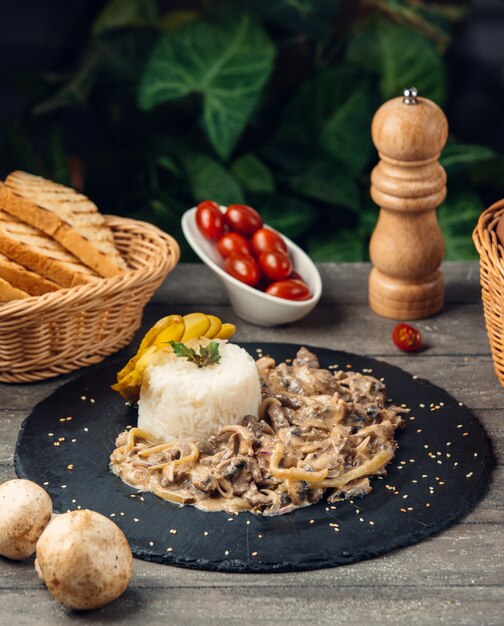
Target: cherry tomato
{"x":243,"y":267}
{"x":296,"y":276}
{"x":233,"y":242}
{"x":289,"y":290}
{"x":407,"y":338}
{"x":243,"y":219}
{"x":209,"y":219}
{"x":265,"y":240}
{"x":275,"y":265}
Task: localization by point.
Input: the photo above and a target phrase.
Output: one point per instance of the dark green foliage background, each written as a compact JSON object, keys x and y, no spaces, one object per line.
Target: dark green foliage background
{"x":264,"y":102}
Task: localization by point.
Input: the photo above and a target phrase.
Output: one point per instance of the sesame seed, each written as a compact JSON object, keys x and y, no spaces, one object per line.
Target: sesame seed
{"x":206,"y":533}
{"x":424,"y":476}
{"x":226,"y":552}
{"x":361,"y":519}
{"x":465,"y":434}
{"x":312,"y":521}
{"x":135,"y":519}
{"x":475,"y":454}
{"x":260,"y":536}
{"x":427,"y":505}
{"x":403,"y":510}
{"x":415,"y":377}
{"x":230,"y":519}
{"x":173,"y":531}
{"x":85,"y":429}
{"x":56,"y":444}
{"x":50,"y":434}
{"x":151,"y":543}
{"x":461,"y":404}
{"x":459,"y":425}
{"x":63,"y":486}
{"x":419,"y":430}
{"x":169,"y":549}
{"x":469,"y":475}
{"x":121,"y":513}
{"x":357,"y":511}
{"x":254,"y":553}
{"x":45,"y":484}
{"x":79,"y":507}
{"x":83,"y":397}
{"x":74,"y":440}
{"x":422,"y":406}
{"x":248,"y":522}
{"x":112,"y":515}
{"x":74,"y":501}
{"x":371,"y":523}
{"x":70,"y":467}
{"x":405,"y":496}
{"x":455,"y":464}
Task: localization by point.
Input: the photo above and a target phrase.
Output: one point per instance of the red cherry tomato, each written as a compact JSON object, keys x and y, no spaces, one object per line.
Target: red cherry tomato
{"x":265,"y":240}
{"x":289,"y":290}
{"x":209,"y":219}
{"x":407,"y":338}
{"x":243,"y":267}
{"x":233,"y":242}
{"x":243,"y":219}
{"x":296,"y":276}
{"x":275,"y":265}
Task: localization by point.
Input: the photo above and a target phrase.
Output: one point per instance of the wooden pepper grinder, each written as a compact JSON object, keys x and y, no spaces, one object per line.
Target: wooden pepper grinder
{"x":408,"y":183}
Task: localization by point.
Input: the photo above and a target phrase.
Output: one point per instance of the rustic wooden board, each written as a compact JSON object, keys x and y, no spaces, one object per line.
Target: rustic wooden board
{"x":454,"y":578}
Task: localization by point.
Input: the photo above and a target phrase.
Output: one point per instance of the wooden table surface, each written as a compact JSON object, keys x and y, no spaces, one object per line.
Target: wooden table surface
{"x":456,"y":577}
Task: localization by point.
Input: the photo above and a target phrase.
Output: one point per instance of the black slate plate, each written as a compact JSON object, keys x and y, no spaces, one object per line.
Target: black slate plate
{"x":442,"y":468}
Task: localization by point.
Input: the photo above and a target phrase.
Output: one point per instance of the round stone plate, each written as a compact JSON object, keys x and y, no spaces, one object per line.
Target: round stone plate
{"x":442,"y":468}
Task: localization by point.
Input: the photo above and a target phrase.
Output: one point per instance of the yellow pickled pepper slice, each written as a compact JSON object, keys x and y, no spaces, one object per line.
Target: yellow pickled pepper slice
{"x":196,"y":325}
{"x":174,"y":332}
{"x":151,"y":335}
{"x":226,"y":331}
{"x":215,"y":327}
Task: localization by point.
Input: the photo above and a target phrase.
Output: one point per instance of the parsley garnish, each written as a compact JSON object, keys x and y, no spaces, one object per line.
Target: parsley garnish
{"x":206,"y":356}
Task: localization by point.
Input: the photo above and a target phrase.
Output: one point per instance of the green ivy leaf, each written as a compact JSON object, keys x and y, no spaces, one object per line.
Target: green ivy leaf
{"x":339,"y":247}
{"x":228,"y":64}
{"x":288,"y":214}
{"x":455,"y":155}
{"x":400,"y":57}
{"x":124,"y":13}
{"x":332,"y":112}
{"x":326,"y":180}
{"x":458,"y":216}
{"x":253,"y":175}
{"x":209,"y":180}
{"x":311,"y":17}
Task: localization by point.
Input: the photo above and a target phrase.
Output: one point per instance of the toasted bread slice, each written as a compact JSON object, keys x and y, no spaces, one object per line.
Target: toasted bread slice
{"x":24,"y":279}
{"x":33,"y":249}
{"x":8,"y":292}
{"x":67,"y":216}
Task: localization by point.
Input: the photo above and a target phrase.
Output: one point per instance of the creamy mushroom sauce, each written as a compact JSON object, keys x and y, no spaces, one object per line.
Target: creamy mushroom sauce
{"x":318,"y":432}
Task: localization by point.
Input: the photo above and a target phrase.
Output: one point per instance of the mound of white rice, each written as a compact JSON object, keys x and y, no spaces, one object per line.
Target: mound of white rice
{"x":178,"y":400}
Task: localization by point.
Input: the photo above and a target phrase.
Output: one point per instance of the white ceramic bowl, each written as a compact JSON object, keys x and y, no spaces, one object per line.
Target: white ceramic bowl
{"x":249,"y":303}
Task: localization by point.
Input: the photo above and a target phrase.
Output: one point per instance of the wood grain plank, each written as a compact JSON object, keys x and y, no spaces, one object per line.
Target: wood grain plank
{"x":465,"y":606}
{"x":342,"y":283}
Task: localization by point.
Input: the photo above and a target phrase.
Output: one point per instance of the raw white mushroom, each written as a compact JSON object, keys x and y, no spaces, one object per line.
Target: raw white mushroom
{"x":25,"y":510}
{"x":84,"y":559}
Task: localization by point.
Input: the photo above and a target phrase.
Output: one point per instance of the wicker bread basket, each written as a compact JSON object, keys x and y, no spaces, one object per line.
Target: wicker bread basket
{"x":44,"y":336}
{"x":492,"y":281}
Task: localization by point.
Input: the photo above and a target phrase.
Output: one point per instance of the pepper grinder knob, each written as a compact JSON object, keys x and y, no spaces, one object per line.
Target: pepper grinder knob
{"x":408,"y":184}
